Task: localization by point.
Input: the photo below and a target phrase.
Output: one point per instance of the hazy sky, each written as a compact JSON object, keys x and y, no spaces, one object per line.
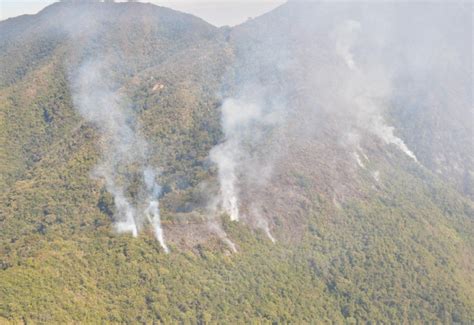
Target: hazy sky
{"x":216,"y":12}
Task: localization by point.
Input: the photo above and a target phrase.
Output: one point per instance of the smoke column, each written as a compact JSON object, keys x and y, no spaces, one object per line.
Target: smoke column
{"x":224,"y":156}
{"x":244,"y":122}
{"x":124,"y":152}
{"x":153,"y":210}
{"x":363,"y":90}
{"x":238,"y":118}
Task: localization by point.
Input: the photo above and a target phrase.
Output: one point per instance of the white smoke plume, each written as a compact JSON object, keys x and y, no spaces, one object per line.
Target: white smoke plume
{"x":366,"y":93}
{"x":237,"y":120}
{"x":242,"y":123}
{"x":153,"y":210}
{"x":225,"y":156}
{"x":261,"y":222}
{"x":217,"y":229}
{"x":346,"y":35}
{"x":124,"y":151}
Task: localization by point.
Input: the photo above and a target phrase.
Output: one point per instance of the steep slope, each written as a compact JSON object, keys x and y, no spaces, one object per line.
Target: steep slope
{"x":144,"y":35}
{"x":363,"y":232}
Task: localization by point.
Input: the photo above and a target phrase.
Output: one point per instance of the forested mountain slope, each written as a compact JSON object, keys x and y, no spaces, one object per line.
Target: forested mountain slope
{"x":353,"y":178}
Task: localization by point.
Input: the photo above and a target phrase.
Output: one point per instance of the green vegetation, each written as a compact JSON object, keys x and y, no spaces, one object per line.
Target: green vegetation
{"x":400,"y":252}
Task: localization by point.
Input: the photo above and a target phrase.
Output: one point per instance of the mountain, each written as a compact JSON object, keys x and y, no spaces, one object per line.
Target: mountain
{"x":312,"y":165}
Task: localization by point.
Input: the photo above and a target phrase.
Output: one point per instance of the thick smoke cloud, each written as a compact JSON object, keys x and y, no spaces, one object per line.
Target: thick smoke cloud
{"x":335,"y":69}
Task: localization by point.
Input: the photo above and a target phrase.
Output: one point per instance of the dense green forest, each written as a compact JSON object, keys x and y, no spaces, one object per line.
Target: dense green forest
{"x":398,"y":249}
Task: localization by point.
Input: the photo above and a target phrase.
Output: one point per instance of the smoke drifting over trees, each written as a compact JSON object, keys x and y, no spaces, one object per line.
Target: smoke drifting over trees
{"x":314,"y":68}
{"x":312,"y":165}
{"x":300,"y":73}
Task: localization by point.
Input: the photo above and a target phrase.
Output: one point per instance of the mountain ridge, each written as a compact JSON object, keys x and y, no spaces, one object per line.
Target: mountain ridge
{"x":362,"y":233}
